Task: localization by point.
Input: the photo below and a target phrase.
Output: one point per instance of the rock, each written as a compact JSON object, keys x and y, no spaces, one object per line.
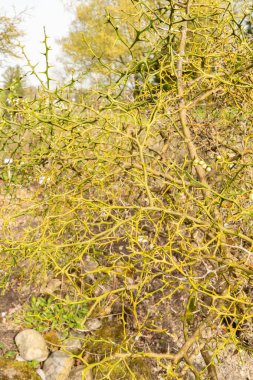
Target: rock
{"x":52,"y":285}
{"x":20,"y":359}
{"x":31,"y":345}
{"x":14,"y":370}
{"x":58,"y":366}
{"x":73,"y":345}
{"x":76,"y":374}
{"x":41,"y":373}
{"x":93,"y":324}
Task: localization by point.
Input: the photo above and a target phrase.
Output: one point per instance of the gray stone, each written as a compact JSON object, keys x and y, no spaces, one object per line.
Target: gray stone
{"x":73,"y":345}
{"x":76,"y":374}
{"x":41,"y":373}
{"x":31,"y":345}
{"x":58,"y":366}
{"x":93,"y":324}
{"x":52,"y":285}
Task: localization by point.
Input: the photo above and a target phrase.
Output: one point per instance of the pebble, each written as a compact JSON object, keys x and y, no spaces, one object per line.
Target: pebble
{"x":31,"y":345}
{"x":52,"y":285}
{"x":93,"y":324}
{"x":73,"y":345}
{"x":76,"y":374}
{"x":41,"y":373}
{"x":58,"y":366}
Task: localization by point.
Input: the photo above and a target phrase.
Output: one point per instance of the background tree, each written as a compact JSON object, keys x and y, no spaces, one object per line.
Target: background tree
{"x":9,"y":34}
{"x":13,"y":91}
{"x":101,"y":36}
{"x":14,"y":81}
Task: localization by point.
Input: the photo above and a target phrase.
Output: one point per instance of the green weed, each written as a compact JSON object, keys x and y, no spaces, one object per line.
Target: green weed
{"x":48,"y":313}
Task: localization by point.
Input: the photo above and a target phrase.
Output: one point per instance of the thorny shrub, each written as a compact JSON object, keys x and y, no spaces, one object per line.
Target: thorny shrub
{"x":138,"y":194}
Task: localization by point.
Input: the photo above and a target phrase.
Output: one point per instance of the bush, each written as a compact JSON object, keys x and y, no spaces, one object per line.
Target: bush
{"x":142,"y":203}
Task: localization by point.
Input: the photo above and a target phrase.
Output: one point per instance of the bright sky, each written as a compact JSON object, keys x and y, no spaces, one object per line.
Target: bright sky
{"x":40,"y":13}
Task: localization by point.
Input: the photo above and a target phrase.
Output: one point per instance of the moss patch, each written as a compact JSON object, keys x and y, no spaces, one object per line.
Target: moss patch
{"x":131,"y":369}
{"x":14,"y":370}
{"x":107,"y":339}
